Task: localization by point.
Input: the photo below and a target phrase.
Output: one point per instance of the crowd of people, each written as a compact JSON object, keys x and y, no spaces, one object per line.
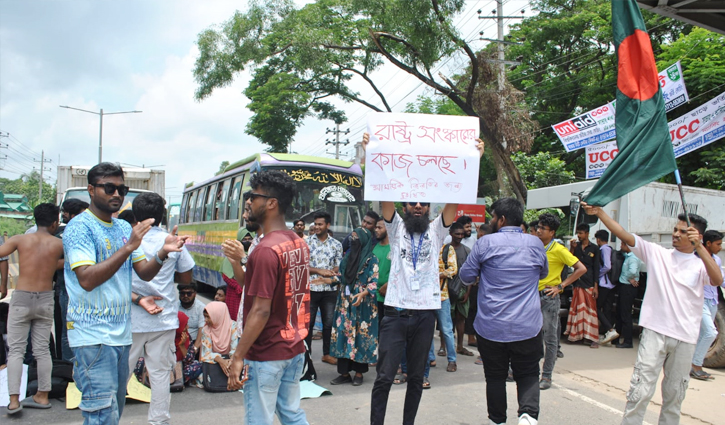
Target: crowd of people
{"x":129,"y":306}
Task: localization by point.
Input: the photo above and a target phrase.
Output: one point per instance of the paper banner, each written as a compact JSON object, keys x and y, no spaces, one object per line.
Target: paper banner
{"x":598,"y":158}
{"x":309,"y":389}
{"x":134,"y":390}
{"x":419,"y":157}
{"x":4,"y":395}
{"x":700,"y":127}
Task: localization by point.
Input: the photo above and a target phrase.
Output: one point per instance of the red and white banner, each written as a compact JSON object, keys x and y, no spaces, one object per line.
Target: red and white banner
{"x":476,"y":212}
{"x":598,"y":158}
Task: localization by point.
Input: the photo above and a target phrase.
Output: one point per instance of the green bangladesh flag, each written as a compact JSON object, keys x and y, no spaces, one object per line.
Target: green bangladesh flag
{"x":643,"y":138}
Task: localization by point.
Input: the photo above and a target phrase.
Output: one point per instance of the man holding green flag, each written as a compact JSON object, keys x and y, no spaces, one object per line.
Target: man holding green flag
{"x":672,"y":307}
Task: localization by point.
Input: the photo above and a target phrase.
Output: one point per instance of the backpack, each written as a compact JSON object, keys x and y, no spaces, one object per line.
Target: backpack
{"x":456,"y":288}
{"x":616,"y":265}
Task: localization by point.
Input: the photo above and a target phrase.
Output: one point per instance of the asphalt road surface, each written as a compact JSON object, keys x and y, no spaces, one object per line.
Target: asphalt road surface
{"x":589,"y":388}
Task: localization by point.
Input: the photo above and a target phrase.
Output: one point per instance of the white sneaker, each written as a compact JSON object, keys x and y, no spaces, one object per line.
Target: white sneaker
{"x":610,"y":336}
{"x":525,"y":419}
{"x":490,"y":422}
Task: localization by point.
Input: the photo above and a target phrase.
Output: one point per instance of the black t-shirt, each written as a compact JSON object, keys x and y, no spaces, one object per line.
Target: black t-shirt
{"x":590,"y":257}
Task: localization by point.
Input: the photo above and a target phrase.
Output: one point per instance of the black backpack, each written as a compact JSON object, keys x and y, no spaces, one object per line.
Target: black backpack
{"x":456,"y":288}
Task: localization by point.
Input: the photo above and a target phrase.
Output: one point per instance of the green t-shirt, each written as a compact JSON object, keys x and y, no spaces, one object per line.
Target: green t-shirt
{"x":382,"y":252}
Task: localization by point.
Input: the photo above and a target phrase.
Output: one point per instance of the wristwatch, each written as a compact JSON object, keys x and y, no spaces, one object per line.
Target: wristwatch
{"x":244,"y":259}
{"x":561,"y":288}
{"x":137,"y":301}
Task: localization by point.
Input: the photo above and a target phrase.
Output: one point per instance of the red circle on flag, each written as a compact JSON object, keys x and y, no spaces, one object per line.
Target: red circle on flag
{"x":637,"y":70}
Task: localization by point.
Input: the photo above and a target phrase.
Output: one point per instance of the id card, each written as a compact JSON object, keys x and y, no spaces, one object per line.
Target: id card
{"x":415,"y":283}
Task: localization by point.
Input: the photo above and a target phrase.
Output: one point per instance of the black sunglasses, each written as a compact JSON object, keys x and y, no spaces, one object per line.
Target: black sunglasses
{"x":251,"y":195}
{"x":422,"y":204}
{"x":186,"y":293}
{"x":111,"y":188}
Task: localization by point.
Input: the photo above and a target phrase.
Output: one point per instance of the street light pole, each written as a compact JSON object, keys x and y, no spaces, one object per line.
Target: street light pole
{"x":100,"y":129}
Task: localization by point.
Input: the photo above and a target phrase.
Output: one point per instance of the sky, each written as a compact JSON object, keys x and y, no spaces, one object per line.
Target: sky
{"x":139,"y":55}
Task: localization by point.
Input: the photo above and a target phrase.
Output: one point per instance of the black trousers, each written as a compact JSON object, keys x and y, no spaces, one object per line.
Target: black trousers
{"x":411,"y":329}
{"x":627,"y":294}
{"x":345,"y":366}
{"x":381,"y":314}
{"x":524,"y":358}
{"x":605,"y":302}
{"x":325,"y":301}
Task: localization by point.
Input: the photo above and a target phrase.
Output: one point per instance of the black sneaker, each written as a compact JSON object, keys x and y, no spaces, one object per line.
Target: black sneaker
{"x":357,"y":381}
{"x":559,"y":354}
{"x":342,"y":379}
{"x":624,"y":346}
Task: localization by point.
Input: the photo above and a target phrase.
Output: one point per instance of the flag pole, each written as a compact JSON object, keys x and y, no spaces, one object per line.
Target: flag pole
{"x":682,"y":196}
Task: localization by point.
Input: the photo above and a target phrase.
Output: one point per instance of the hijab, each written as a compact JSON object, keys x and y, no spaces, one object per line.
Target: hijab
{"x":183,"y":322}
{"x":226,"y":267}
{"x":221,"y":330}
{"x":356,"y":258}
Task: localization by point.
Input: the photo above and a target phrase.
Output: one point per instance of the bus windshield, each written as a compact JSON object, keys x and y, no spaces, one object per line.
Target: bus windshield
{"x":339,"y":194}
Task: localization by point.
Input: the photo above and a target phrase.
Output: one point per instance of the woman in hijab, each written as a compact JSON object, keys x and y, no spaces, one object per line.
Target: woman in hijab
{"x":218,"y":336}
{"x":186,"y":353}
{"x":234,"y":290}
{"x":354,"y":339}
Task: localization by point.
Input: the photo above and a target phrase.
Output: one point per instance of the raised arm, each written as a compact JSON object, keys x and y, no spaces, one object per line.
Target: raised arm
{"x":713,"y":271}
{"x":610,"y":223}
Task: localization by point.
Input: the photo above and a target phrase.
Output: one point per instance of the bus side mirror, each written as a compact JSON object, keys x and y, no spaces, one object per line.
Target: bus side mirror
{"x":574,"y":206}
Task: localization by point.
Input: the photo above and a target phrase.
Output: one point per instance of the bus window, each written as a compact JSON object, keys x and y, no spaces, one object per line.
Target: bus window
{"x":221,"y":200}
{"x":200,"y":196}
{"x":182,"y":211}
{"x":234,"y":200}
{"x":189,"y":209}
{"x":209,"y":204}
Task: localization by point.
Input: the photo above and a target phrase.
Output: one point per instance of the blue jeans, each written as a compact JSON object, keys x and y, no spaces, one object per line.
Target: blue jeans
{"x":708,"y":332}
{"x":101,"y":373}
{"x":445,"y":320}
{"x":274,"y":386}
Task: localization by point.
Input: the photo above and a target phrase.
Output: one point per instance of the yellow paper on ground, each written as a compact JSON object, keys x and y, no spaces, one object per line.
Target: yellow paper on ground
{"x":134,"y":390}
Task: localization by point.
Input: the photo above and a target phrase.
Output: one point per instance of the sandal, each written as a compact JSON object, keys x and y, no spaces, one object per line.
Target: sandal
{"x":426,"y":384}
{"x":701,"y":375}
{"x":400,"y":378}
{"x":452,"y":367}
{"x":478,"y":361}
{"x":464,"y":352}
{"x":442,"y":352}
{"x":433,"y":363}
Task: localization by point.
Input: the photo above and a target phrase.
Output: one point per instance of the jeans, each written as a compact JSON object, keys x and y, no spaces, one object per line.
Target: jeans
{"x":101,"y":374}
{"x":708,"y":332}
{"x":30,"y":312}
{"x":274,"y":387}
{"x":159,"y":353}
{"x":524,"y":358}
{"x":446,"y":323}
{"x":605,"y":301}
{"x":658,"y":352}
{"x":412,"y":331}
{"x":550,"y":331}
{"x":627,"y":294}
{"x":325,"y":301}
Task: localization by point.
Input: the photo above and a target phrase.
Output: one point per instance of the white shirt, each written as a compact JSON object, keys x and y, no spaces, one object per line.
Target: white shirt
{"x":196,"y":317}
{"x":672,"y":304}
{"x":419,"y":288}
{"x":162,"y":286}
{"x":240,"y":314}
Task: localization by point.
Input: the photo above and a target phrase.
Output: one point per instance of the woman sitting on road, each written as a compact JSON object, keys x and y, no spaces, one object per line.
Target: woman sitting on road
{"x":354,"y":339}
{"x":218,"y":336}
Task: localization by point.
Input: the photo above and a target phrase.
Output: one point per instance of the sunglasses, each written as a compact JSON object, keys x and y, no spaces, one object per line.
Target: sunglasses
{"x":422,"y":204}
{"x":186,"y":293}
{"x":111,"y":188}
{"x":251,"y":195}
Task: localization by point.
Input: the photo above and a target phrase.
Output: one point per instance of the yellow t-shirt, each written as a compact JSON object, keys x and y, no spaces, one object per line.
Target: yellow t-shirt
{"x":558,"y":257}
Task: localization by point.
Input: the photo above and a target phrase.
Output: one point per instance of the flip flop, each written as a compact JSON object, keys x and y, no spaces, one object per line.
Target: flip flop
{"x":16,"y":410}
{"x":32,"y":404}
{"x":442,"y":352}
{"x":464,"y":352}
{"x":426,"y":384}
{"x":400,"y":378}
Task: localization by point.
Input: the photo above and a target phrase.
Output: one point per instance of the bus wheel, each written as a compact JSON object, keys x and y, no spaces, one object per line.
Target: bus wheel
{"x":716,"y":354}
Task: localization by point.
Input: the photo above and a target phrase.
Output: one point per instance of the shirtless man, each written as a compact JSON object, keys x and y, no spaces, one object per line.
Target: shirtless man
{"x":32,"y":302}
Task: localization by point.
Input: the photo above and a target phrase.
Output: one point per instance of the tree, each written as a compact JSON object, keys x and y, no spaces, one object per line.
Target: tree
{"x":223,"y":166}
{"x":13,"y":226}
{"x":28,"y":185}
{"x":314,"y":52}
{"x":542,"y":170}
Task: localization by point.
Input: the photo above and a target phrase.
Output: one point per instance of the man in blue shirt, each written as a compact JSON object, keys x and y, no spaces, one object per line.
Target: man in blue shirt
{"x":628,"y":288}
{"x":100,"y":252}
{"x":510,"y":264}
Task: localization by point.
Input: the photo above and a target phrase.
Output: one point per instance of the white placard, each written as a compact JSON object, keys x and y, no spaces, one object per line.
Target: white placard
{"x":700,"y":127}
{"x":587,"y":129}
{"x":419,"y":157}
{"x":673,"y":87}
{"x":4,"y":393}
{"x":598,"y":158}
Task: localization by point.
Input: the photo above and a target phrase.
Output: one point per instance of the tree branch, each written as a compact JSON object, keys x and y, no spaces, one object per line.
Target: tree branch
{"x":465,"y":107}
{"x":372,"y":84}
{"x":471,"y":55}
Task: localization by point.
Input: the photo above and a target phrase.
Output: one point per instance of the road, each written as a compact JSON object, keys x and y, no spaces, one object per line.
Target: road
{"x":589,"y":388}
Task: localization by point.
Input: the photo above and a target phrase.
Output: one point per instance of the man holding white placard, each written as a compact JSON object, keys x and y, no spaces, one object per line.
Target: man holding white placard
{"x":413,"y":295}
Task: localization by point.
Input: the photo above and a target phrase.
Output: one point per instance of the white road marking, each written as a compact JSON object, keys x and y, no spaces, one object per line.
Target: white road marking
{"x":592,"y":401}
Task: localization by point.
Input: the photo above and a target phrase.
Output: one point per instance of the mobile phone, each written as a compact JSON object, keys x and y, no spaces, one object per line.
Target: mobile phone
{"x":245,"y":374}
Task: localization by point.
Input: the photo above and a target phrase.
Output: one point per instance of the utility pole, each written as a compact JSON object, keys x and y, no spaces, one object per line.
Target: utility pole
{"x":42,"y":162}
{"x":337,"y":142}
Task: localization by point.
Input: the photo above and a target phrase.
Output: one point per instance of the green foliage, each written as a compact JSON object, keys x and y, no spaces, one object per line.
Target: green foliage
{"x":222,"y":167}
{"x":542,"y":169}
{"x":711,"y":174}
{"x":13,"y":226}
{"x":28,"y":185}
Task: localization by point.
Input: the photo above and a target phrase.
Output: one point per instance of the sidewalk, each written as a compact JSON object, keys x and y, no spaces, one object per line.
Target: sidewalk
{"x":608,"y":371}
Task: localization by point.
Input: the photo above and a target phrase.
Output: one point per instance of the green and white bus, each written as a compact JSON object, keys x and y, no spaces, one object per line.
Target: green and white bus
{"x":211,"y":211}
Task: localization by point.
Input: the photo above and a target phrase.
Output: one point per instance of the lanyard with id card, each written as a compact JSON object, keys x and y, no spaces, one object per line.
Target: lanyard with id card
{"x":415,"y":283}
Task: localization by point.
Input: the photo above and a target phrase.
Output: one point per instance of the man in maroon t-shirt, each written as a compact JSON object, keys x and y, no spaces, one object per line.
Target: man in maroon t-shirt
{"x":276,"y":308}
